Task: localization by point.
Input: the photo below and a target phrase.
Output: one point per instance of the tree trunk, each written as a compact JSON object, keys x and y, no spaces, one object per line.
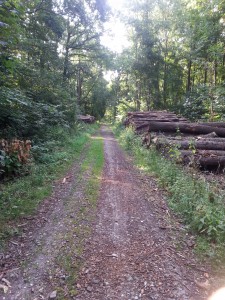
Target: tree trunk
{"x":79,"y":85}
{"x":207,"y":162}
{"x":190,"y":128}
{"x":203,"y":153}
{"x":190,"y":144}
{"x":188,"y":88}
{"x":214,"y":124}
{"x":66,"y":60}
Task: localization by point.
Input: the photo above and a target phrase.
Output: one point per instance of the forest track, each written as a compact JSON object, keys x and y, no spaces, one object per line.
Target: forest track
{"x":136,"y":251}
{"x":43,"y":259}
{"x":134,"y":248}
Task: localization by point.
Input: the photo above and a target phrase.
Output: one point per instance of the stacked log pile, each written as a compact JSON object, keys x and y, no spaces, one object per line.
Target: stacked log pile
{"x":200,"y":144}
{"x":141,"y":120}
{"x":201,"y":151}
{"x":86,"y":119}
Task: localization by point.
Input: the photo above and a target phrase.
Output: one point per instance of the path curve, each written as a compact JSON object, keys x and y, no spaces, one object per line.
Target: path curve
{"x":133,"y":251}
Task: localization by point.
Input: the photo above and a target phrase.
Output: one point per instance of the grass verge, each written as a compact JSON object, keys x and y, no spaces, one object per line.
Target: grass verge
{"x":189,"y":197}
{"x":21,"y":197}
{"x":70,"y":261}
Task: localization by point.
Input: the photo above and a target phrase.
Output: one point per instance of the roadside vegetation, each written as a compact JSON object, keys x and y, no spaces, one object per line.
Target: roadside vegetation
{"x":195,"y":201}
{"x":20,"y":197}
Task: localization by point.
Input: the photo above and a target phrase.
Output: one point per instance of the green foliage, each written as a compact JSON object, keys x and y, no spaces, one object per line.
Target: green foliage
{"x":129,"y":140}
{"x":205,"y":102}
{"x":41,"y":85}
{"x":194,"y":105}
{"x":22,"y":116}
{"x":176,"y":58}
{"x":10,"y":164}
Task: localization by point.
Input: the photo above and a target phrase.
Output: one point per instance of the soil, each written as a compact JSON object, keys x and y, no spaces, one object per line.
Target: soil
{"x":136,"y":250}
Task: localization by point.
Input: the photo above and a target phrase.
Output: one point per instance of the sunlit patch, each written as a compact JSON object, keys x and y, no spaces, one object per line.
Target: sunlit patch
{"x":115,"y":35}
{"x":142,"y":168}
{"x":218,"y":295}
{"x":96,"y":138}
{"x":116,"y":4}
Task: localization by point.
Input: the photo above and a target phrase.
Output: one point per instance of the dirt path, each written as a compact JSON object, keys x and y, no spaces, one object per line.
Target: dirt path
{"x":40,"y":262}
{"x":133,"y":252}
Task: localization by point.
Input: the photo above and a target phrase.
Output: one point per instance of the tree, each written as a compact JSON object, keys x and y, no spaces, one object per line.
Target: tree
{"x":50,"y":57}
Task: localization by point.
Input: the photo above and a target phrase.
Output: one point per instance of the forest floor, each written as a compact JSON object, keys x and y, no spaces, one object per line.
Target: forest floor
{"x":125,"y":245}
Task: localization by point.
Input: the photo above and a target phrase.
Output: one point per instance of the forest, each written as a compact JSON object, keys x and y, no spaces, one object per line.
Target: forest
{"x":132,"y":205}
{"x":176,"y":58}
{"x":53,"y":64}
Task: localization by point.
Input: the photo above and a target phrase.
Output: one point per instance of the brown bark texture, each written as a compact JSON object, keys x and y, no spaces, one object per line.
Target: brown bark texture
{"x":199,"y":143}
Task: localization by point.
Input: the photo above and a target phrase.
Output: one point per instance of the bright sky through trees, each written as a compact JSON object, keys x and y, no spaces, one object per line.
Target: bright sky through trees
{"x":115,"y":31}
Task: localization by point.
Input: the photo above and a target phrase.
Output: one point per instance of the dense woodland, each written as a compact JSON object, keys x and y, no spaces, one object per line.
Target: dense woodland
{"x":52,"y":62}
{"x":176,"y":59}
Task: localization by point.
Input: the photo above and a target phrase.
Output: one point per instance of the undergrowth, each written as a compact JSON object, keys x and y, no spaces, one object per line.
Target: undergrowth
{"x":191,"y":198}
{"x":20,"y":197}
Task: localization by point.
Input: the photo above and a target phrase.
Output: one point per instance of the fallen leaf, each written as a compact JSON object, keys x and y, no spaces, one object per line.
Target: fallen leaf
{"x":113,"y":255}
{"x":4,"y":288}
{"x":203,"y":285}
{"x":6,"y":282}
{"x":53,"y":295}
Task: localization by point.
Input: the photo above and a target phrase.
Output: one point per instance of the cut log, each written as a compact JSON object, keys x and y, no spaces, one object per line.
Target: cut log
{"x":203,"y":138}
{"x":202,"y":153}
{"x":190,"y":144}
{"x":86,"y":119}
{"x":155,"y":119}
{"x":204,"y":159}
{"x":137,"y":119}
{"x":190,"y":128}
{"x":214,"y":124}
{"x":142,"y":128}
{"x":217,"y":162}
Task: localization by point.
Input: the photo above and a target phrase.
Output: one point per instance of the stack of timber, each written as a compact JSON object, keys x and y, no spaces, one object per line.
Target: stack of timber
{"x":204,"y":152}
{"x":86,"y":119}
{"x":199,"y":144}
{"x":140,"y":120}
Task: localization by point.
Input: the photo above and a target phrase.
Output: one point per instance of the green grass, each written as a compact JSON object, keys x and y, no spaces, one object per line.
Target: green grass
{"x":21,"y":197}
{"x":90,"y":178}
{"x":191,"y":198}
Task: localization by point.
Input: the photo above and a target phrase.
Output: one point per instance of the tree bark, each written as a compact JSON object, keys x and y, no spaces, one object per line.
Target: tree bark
{"x":188,"y":89}
{"x":214,"y":124}
{"x":190,"y":128}
{"x":66,"y":59}
{"x":189,"y":144}
{"x":207,"y":162}
{"x":203,"y":153}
